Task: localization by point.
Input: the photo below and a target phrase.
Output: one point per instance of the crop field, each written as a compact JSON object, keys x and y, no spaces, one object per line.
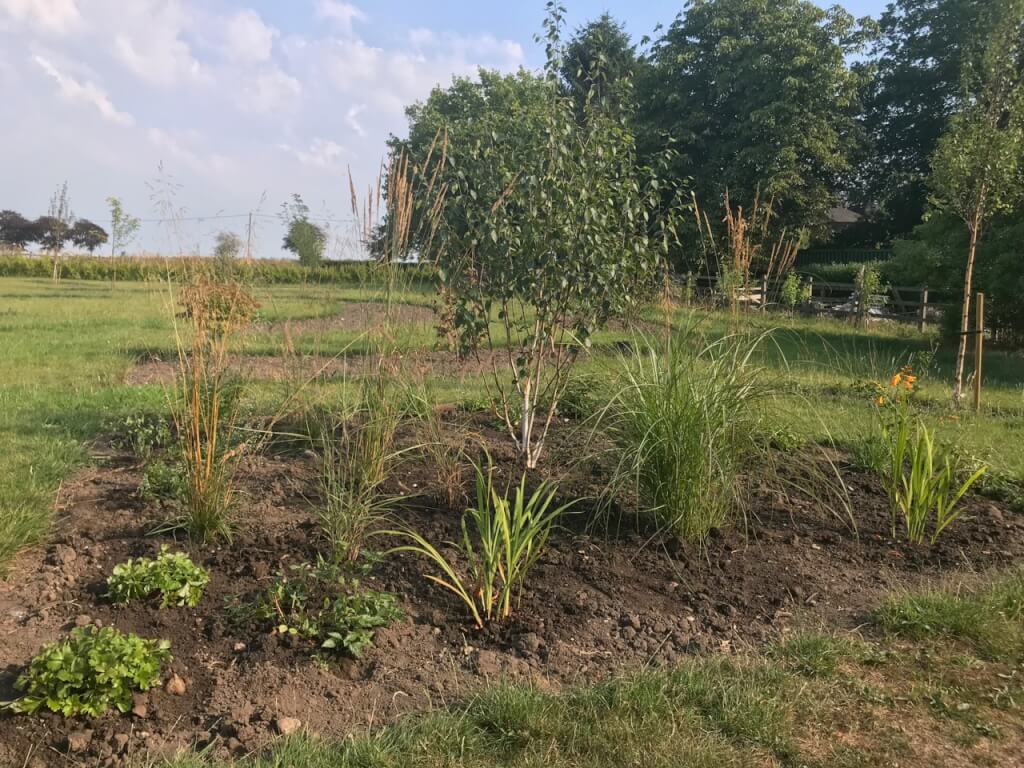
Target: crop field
{"x":312,"y":591}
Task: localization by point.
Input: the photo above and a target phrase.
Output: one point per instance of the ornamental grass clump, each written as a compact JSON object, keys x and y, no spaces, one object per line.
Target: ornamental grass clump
{"x":501,"y":541}
{"x":205,"y":404}
{"x":685,"y":421}
{"x":921,"y":476}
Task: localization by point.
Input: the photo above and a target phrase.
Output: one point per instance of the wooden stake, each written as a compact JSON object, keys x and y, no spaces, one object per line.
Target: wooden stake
{"x":922,"y":318}
{"x":979,"y":344}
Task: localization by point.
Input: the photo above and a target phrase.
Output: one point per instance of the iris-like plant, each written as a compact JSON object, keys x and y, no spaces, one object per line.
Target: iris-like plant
{"x":921,"y":476}
{"x":501,"y":541}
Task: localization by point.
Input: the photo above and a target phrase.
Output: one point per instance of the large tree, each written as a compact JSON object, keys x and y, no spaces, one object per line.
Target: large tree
{"x":757,"y":94}
{"x":977,"y":164}
{"x":88,"y":235}
{"x":913,"y":89}
{"x":600,"y":62}
{"x":15,"y":230}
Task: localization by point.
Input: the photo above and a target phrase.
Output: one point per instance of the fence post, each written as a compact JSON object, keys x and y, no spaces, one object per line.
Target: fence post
{"x":764,"y":293}
{"x":979,"y":344}
{"x":923,"y":316}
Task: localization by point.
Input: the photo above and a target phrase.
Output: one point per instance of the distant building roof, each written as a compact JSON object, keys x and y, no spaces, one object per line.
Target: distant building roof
{"x":839,"y":215}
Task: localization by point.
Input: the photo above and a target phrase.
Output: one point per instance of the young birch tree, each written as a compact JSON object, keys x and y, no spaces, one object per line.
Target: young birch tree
{"x":976,"y":167}
{"x":549,"y":228}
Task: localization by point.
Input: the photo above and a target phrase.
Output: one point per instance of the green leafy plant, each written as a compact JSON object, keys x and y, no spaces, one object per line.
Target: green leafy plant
{"x":141,"y":434}
{"x":162,"y":481}
{"x":90,"y":672}
{"x":501,"y":541}
{"x":921,"y":477}
{"x":173,"y":576}
{"x":322,"y":605}
{"x":869,"y":286}
{"x":794,"y":292}
{"x":685,"y":422}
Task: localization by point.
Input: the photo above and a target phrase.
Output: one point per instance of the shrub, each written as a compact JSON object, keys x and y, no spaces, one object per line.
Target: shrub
{"x":794,"y":292}
{"x":174,"y":577}
{"x":506,"y":540}
{"x":91,"y":671}
{"x":685,"y":421}
{"x":920,"y":476}
{"x":162,"y":482}
{"x":320,"y":605}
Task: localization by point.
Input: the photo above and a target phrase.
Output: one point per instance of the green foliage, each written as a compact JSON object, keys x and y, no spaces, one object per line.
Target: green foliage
{"x":794,"y":292}
{"x":921,"y":478}
{"x":600,"y":63}
{"x":548,"y":223}
{"x":174,"y":577}
{"x":123,"y":226}
{"x":685,"y":423}
{"x":868,"y":285}
{"x":163,"y":481}
{"x":90,"y":672}
{"x":501,"y":541}
{"x":303,"y":238}
{"x":915,"y":89}
{"x":140,"y":434}
{"x":989,"y":617}
{"x":812,"y":655}
{"x":321,"y":605}
{"x":758,"y":96}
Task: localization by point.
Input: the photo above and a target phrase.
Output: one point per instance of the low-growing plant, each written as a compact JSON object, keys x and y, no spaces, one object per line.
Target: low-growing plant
{"x":173,"y":576}
{"x":921,"y":476}
{"x":90,"y":672}
{"x":321,"y":605}
{"x":501,"y":541}
{"x":141,"y":434}
{"x":794,"y":292}
{"x":685,"y":421}
{"x":163,"y":482}
{"x":357,"y":449}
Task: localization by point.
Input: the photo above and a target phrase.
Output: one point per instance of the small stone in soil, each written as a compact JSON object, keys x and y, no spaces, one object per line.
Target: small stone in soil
{"x":287,"y":725}
{"x":176,"y":686}
{"x":139,"y":705}
{"x":83,"y":620}
{"x":78,"y":741}
{"x":120,"y":742}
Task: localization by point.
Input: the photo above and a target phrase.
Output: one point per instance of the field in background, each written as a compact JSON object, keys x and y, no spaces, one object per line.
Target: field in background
{"x":68,"y":350}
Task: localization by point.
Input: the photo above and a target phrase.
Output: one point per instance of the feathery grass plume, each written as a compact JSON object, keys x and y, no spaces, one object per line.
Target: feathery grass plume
{"x":204,"y":403}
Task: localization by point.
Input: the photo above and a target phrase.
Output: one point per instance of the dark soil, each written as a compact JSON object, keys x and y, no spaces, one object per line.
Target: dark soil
{"x":597,"y":604}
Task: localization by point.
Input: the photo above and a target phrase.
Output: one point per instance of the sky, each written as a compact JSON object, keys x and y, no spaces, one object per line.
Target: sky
{"x":204,"y":111}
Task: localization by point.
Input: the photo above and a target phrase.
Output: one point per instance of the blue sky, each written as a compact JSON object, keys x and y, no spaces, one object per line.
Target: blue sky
{"x":242,"y":101}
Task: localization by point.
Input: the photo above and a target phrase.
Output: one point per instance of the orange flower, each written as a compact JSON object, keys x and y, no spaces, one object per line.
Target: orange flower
{"x":895,"y":380}
{"x":880,"y":400}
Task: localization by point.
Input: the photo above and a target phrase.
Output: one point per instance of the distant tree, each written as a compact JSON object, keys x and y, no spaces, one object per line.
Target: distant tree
{"x":227,"y":246}
{"x":976,"y":169}
{"x":123,"y":227}
{"x":600,"y":61}
{"x":55,"y":227}
{"x":85,"y":234}
{"x":757,"y":95}
{"x":303,"y":238}
{"x":15,"y":230}
{"x":913,"y":87}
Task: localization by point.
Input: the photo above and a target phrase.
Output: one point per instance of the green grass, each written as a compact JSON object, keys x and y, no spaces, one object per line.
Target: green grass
{"x":988,"y":617}
{"x":67,"y":347}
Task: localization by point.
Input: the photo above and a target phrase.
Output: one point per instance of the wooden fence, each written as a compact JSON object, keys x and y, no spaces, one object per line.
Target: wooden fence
{"x":906,"y":304}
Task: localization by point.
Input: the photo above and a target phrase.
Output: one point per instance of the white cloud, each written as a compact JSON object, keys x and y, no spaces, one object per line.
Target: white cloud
{"x":270,"y":91}
{"x":352,"y":118}
{"x":185,"y":150}
{"x":248,"y":39}
{"x":86,"y":93}
{"x":56,"y":16}
{"x":343,"y":15}
{"x":150,"y":41}
{"x":322,"y":153}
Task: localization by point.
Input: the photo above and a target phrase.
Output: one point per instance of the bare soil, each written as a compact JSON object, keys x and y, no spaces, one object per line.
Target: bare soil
{"x":598,"y":603}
